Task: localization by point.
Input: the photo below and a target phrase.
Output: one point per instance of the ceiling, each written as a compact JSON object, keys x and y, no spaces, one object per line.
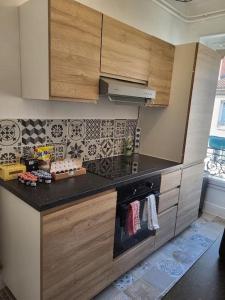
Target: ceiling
{"x":195,"y":10}
{"x":11,"y":2}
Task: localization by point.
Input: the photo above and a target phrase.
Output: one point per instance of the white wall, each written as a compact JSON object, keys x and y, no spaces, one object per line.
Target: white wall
{"x":215,"y":197}
{"x":163,"y":129}
{"x":144,"y":15}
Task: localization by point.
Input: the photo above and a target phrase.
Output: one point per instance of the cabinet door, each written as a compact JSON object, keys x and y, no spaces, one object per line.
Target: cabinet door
{"x":75,"y":43}
{"x":125,"y":50}
{"x":190,"y":192}
{"x":77,"y":248}
{"x":161,"y":68}
{"x":202,"y":102}
{"x":167,"y":223}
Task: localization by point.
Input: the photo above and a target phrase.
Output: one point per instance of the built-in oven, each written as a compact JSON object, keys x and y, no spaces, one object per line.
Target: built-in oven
{"x":127,"y":194}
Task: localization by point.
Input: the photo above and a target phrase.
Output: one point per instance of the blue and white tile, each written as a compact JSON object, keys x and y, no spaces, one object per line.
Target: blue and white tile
{"x":140,"y":269}
{"x":10,"y":133}
{"x":143,"y":291}
{"x":158,"y":278}
{"x":111,"y":293}
{"x":125,"y":281}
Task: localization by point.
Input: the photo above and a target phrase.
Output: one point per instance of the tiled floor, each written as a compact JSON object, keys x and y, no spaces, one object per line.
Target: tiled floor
{"x":156,"y":275}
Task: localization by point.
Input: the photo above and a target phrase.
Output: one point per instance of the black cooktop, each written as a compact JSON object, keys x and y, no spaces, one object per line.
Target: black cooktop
{"x":122,"y":166}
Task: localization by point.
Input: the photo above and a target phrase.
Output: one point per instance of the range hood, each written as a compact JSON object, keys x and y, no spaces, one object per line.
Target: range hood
{"x":120,"y":91}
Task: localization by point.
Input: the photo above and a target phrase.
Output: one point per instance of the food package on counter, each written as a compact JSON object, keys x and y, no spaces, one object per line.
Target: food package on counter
{"x":44,"y":153}
{"x":11,"y":171}
{"x":43,"y":176}
{"x":28,"y":179}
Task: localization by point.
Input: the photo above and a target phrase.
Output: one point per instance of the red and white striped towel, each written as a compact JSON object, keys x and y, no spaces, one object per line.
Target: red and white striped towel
{"x":133,"y":218}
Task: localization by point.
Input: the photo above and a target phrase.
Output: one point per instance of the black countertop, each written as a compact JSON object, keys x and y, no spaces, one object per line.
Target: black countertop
{"x":46,"y":196}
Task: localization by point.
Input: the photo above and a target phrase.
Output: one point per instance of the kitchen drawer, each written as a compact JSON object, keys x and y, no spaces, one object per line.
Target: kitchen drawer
{"x":167,"y":223}
{"x":168,"y":199}
{"x":170,"y":181}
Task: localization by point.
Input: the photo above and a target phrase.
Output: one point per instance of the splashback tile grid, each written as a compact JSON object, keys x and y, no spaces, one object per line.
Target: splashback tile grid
{"x":86,"y":139}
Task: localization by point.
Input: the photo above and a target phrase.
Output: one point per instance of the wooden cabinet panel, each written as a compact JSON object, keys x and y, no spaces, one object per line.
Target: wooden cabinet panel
{"x":190,"y":192}
{"x":167,"y":223}
{"x":132,"y":257}
{"x":202,"y":102}
{"x":168,"y":200}
{"x":77,"y":248}
{"x":125,"y":50}
{"x":161,"y":68}
{"x":170,"y":181}
{"x":75,"y":42}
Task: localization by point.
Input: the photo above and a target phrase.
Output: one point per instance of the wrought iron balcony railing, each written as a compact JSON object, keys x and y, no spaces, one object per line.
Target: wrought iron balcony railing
{"x":215,"y":162}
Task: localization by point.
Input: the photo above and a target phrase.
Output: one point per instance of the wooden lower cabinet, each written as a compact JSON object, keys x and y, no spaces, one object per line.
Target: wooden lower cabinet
{"x":190,"y":192}
{"x":167,"y":223}
{"x":77,"y":249}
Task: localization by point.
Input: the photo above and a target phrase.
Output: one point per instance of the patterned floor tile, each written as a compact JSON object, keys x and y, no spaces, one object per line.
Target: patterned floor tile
{"x":140,"y":269}
{"x":92,"y":150}
{"x":56,"y":131}
{"x":158,"y":278}
{"x":120,"y":129}
{"x":111,"y":293}
{"x":106,"y":147}
{"x":10,"y":133}
{"x":33,"y":132}
{"x":143,"y":291}
{"x":10,"y":155}
{"x":125,"y":281}
{"x":76,"y":130}
{"x":76,"y":150}
{"x":107,"y":128}
{"x":93,"y":129}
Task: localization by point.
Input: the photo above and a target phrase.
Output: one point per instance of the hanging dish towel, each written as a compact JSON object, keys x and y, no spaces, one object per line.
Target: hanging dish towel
{"x":152,"y":213}
{"x":133,"y":218}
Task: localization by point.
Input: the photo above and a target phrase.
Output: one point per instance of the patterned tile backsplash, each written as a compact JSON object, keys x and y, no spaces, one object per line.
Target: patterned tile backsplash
{"x":87,"y":139}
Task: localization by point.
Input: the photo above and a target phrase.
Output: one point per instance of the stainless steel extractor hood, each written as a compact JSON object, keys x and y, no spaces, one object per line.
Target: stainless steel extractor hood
{"x":126,"y":92}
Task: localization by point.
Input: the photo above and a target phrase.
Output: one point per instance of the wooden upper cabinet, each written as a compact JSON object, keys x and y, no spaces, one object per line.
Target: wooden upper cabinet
{"x":75,"y":43}
{"x":161,"y":68}
{"x":125,"y":50}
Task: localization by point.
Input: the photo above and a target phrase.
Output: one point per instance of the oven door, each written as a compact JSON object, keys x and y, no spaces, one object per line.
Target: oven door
{"x":122,"y":240}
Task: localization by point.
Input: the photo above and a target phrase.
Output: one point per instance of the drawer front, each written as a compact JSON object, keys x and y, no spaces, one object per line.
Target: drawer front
{"x":170,"y":181}
{"x":167,"y":223}
{"x":168,"y":199}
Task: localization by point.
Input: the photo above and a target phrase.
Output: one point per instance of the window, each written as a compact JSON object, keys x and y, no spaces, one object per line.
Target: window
{"x":221,"y":121}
